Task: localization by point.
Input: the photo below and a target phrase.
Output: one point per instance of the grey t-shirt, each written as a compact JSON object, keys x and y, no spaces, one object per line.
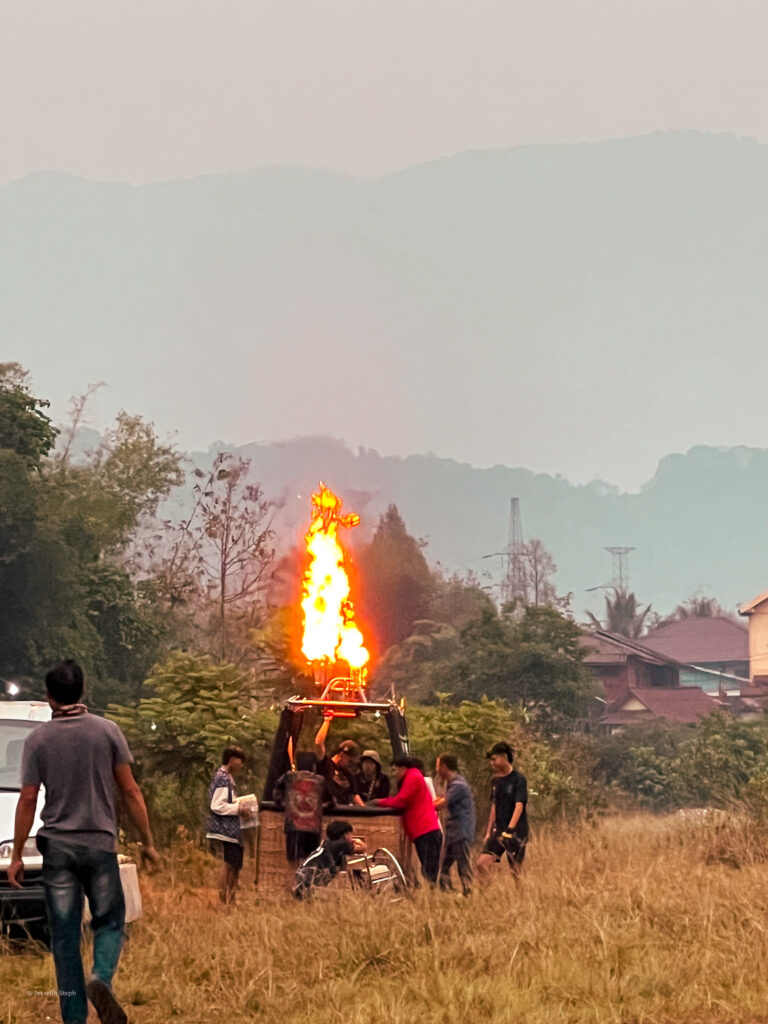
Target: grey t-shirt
{"x":75,"y":759}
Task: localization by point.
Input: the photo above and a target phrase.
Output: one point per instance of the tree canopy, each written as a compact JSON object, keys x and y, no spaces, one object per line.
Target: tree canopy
{"x":534,"y":660}
{"x":64,"y":590}
{"x":396,"y":583}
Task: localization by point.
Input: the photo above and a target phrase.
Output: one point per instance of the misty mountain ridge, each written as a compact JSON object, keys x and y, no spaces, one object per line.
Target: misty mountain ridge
{"x":578,"y":308}
{"x":698,"y":525}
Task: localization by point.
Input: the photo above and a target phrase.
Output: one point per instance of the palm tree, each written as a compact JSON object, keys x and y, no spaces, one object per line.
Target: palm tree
{"x":697,"y":606}
{"x":623,"y":614}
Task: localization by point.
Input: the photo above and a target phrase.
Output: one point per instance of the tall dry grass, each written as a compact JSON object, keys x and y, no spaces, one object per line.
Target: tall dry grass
{"x":636,"y":920}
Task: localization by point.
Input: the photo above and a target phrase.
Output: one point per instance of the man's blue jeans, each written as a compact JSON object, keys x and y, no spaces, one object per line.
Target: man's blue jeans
{"x":69,"y":871}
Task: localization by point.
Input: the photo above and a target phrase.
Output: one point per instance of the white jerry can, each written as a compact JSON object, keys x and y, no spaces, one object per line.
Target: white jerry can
{"x":129,"y":878}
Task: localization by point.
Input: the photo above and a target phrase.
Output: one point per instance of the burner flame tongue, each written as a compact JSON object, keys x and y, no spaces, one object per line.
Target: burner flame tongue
{"x":331,"y":633}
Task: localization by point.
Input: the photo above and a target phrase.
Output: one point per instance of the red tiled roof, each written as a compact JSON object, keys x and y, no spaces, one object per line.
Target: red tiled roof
{"x":678,"y":704}
{"x":753,"y":691}
{"x":623,"y":717}
{"x":714,"y":640}
{"x":604,"y":648}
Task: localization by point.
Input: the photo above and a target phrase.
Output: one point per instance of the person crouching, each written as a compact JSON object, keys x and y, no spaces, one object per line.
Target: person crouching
{"x":322,"y":866}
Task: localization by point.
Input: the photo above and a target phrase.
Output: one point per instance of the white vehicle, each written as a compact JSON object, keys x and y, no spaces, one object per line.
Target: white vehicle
{"x":24,"y":906}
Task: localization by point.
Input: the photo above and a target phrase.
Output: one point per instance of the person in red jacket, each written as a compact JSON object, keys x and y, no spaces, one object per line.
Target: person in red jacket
{"x":419,"y":816}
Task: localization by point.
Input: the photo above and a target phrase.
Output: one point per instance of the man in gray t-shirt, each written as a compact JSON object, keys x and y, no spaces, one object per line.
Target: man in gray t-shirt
{"x":79,"y":758}
{"x":75,"y":758}
{"x":459,"y":824}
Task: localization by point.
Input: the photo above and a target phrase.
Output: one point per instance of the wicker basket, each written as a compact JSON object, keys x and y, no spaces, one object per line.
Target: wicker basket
{"x":275,"y":873}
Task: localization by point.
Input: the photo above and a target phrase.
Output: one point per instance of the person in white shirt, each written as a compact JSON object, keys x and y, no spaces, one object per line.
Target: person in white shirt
{"x":223,"y":824}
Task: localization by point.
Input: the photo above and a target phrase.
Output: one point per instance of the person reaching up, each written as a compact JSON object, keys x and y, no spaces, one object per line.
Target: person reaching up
{"x":339,"y":770}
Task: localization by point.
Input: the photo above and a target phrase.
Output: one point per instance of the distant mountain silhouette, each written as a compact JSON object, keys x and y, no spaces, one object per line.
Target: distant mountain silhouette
{"x":577,"y":308}
{"x":701,"y":523}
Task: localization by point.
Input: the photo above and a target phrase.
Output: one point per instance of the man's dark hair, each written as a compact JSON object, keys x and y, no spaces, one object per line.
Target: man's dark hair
{"x":338,"y":829}
{"x":502,"y":748}
{"x":230,"y":752}
{"x":64,"y":682}
{"x":403,"y":761}
{"x":450,"y":762}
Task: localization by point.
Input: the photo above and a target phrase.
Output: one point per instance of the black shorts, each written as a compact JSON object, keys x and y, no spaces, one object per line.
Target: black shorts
{"x":230,"y":853}
{"x":514,"y":848}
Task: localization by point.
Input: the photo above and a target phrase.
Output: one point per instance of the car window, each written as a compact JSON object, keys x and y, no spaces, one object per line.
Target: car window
{"x":12,"y":736}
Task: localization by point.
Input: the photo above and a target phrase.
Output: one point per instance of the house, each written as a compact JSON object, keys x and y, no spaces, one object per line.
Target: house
{"x":621,"y":664}
{"x":756,"y":611}
{"x":640,"y":682}
{"x":683,"y":704}
{"x":706,"y":648}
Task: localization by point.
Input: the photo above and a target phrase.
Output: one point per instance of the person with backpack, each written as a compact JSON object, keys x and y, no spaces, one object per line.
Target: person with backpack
{"x":302,"y":793}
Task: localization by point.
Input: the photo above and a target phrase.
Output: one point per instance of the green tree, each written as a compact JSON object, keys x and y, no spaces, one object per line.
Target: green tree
{"x":191,"y":710}
{"x":535,"y":661}
{"x":720,"y":758}
{"x":416,"y":666}
{"x":457,"y":600}
{"x":548,"y":671}
{"x":395,"y":581}
{"x":562,"y":777}
{"x":100,"y":500}
{"x":25,"y":429}
{"x":64,"y":527}
{"x":641,"y":761}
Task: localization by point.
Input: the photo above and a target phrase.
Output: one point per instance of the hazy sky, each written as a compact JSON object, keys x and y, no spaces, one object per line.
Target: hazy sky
{"x":139,"y":90}
{"x":148,"y":90}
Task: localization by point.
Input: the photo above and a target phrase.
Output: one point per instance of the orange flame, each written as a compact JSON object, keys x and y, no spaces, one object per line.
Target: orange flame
{"x":330,"y":631}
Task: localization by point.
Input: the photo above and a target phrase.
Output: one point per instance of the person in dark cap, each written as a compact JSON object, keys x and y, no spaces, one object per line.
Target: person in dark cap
{"x":339,"y":770}
{"x":507,"y":833}
{"x":372,"y":782}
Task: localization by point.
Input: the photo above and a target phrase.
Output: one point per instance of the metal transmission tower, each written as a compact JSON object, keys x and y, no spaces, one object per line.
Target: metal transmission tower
{"x":620,"y":566}
{"x":514,"y":585}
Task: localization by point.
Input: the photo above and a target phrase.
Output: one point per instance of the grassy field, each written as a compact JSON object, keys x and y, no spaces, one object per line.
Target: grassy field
{"x":636,"y":920}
